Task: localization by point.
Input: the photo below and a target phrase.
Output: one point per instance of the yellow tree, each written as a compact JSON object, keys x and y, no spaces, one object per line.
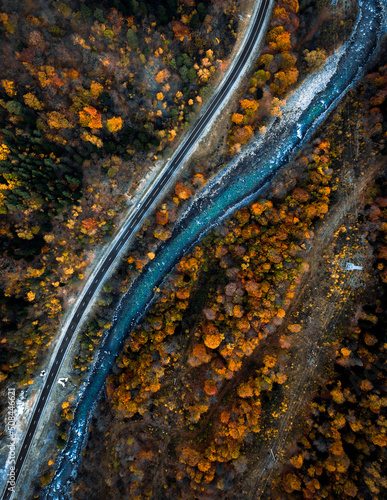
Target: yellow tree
{"x":32,"y":101}
{"x":90,"y":117}
{"x":114,"y":124}
{"x":57,"y":120}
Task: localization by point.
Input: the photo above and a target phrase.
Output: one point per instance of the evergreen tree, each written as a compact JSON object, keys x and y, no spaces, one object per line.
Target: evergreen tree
{"x":195,"y":21}
{"x":132,"y":38}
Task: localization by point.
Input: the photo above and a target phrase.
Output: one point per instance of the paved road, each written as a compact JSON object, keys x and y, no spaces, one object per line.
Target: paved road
{"x":180,"y":155}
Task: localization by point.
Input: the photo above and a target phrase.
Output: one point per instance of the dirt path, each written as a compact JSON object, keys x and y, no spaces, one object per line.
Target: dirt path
{"x":323,"y":299}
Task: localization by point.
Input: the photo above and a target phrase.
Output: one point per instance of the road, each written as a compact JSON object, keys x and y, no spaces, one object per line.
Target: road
{"x":149,"y":201}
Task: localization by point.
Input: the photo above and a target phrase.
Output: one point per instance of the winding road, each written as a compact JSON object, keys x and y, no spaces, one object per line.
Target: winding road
{"x":224,"y":91}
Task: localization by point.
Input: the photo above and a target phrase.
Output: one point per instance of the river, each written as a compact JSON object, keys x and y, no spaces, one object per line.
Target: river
{"x":236,"y":186}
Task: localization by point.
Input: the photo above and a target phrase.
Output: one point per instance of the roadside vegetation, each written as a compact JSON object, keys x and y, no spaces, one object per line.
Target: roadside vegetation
{"x":77,"y":140}
{"x":91,"y":96}
{"x":299,"y":40}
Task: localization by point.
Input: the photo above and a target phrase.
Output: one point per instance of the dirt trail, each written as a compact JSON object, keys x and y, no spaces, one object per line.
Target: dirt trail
{"x":323,"y":298}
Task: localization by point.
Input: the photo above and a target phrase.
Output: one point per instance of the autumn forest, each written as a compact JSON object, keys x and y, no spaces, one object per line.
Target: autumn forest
{"x":259,"y":370}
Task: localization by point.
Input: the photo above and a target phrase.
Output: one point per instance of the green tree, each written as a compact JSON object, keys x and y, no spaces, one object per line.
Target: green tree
{"x":15,"y":108}
{"x":172,"y":7}
{"x":202,"y":11}
{"x":192,"y":75}
{"x":135,"y":6}
{"x":195,"y":21}
{"x":184,"y":74}
{"x":98,"y":14}
{"x":162,"y":15}
{"x":86,"y":12}
{"x":132,"y":38}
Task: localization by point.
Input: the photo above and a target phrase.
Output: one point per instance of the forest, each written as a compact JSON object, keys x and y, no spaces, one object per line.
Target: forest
{"x":255,"y":106}
{"x":98,"y":92}
{"x":204,"y":379}
{"x":95,"y":94}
